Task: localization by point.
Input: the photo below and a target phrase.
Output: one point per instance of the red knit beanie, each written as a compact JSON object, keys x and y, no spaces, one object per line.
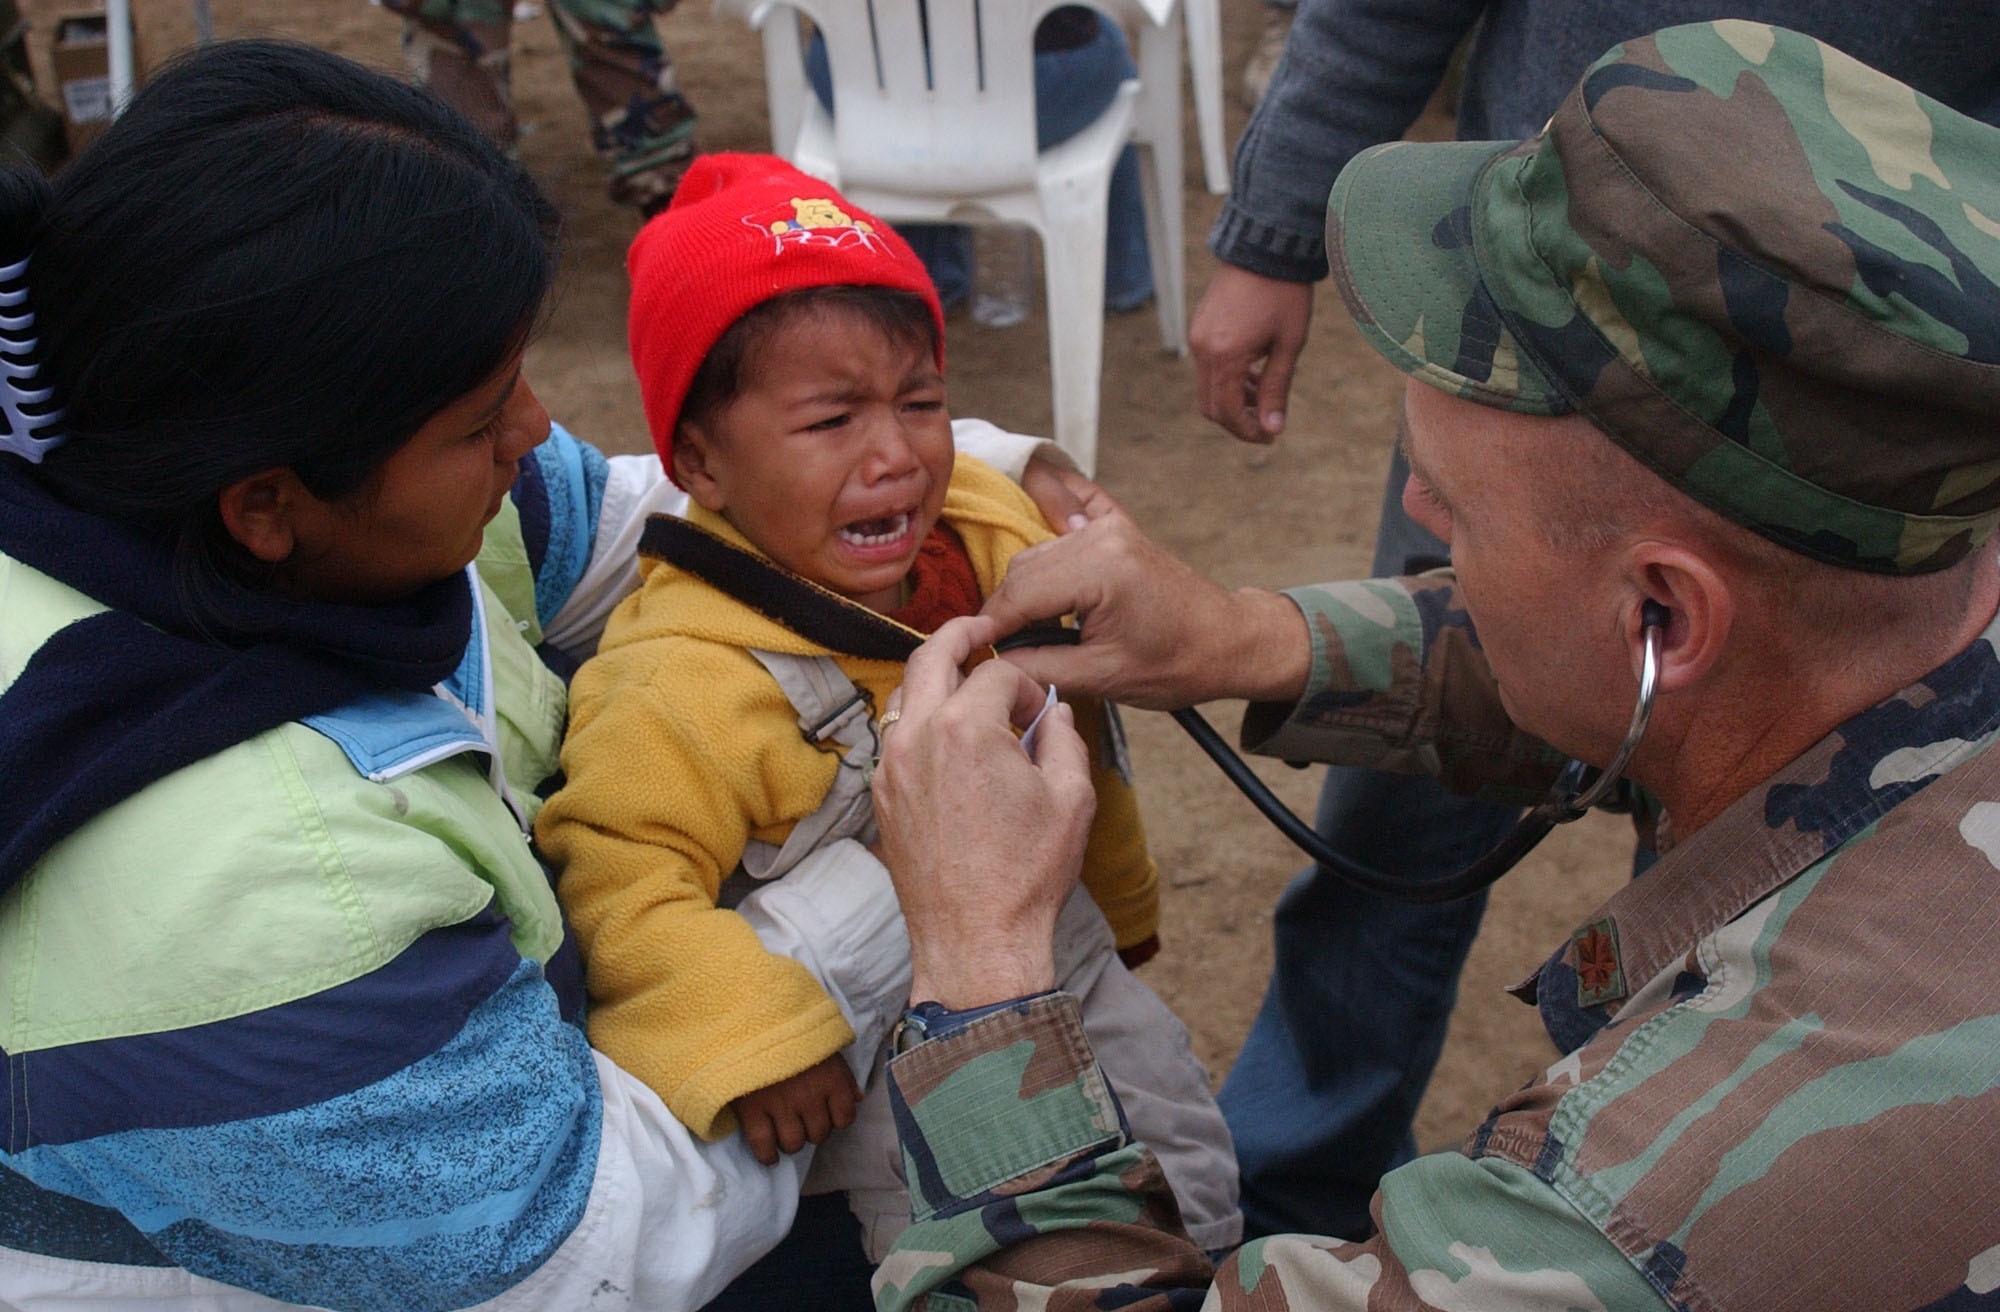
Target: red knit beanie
{"x":741,"y":230}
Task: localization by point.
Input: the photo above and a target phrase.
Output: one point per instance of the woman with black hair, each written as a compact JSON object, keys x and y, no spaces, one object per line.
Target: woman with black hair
{"x":290,"y":563}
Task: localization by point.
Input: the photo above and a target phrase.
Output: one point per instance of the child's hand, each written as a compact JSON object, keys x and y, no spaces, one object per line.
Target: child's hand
{"x":796,"y":1111}
{"x":1065,"y":497}
{"x":1141,"y":952}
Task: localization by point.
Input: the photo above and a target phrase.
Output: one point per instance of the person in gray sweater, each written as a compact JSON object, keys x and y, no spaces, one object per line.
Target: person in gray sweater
{"x":1322,"y":1097}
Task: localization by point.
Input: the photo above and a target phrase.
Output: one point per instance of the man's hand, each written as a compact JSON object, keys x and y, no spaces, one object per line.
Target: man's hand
{"x":1247,"y":334}
{"x":1065,"y":497}
{"x":798,"y":1110}
{"x":984,"y":843}
{"x":1156,"y":634}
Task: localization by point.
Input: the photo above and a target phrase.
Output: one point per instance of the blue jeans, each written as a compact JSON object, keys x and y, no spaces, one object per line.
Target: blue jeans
{"x":1072,"y":87}
{"x":1322,"y":1096}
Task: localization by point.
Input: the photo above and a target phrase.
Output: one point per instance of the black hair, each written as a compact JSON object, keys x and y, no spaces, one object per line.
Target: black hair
{"x":901,"y":316}
{"x":274,"y":258}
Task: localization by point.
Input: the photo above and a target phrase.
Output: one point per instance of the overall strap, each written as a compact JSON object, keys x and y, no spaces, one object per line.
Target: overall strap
{"x":804,"y":607}
{"x":831,"y":710}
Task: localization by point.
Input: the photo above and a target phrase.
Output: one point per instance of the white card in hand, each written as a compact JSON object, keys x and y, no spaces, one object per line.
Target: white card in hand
{"x":1035,"y":725}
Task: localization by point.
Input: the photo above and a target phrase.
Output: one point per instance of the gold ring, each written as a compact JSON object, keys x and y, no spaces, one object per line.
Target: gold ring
{"x":888,"y":718}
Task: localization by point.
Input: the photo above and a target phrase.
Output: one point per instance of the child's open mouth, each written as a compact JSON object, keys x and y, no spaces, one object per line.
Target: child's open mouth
{"x":876,"y":532}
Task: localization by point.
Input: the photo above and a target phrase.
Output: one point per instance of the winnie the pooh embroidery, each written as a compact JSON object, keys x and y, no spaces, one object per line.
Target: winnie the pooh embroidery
{"x":818,"y":212}
{"x":813,"y":220}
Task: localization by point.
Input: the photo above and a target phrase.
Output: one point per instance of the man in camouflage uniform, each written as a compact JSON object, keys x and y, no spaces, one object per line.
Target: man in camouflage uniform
{"x":640,"y":124}
{"x":1768,"y":275}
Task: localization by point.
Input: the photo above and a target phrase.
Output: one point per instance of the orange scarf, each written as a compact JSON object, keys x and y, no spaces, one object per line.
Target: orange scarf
{"x":942,"y":583}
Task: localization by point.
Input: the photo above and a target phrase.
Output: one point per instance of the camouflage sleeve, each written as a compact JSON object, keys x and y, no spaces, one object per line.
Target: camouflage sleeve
{"x":1399,"y":683}
{"x":1028,"y":1192}
{"x":1451,"y":1233}
{"x":1016,"y":1150}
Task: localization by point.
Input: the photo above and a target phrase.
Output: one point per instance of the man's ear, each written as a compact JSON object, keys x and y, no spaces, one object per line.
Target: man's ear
{"x":1700,"y":606}
{"x":264,"y":512}
{"x":695,"y":467}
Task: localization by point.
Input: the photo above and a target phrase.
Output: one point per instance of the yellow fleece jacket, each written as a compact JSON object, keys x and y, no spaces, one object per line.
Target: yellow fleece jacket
{"x":680,"y":749}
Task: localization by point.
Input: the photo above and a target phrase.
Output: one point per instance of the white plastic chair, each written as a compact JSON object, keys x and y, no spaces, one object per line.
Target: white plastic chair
{"x":1203,"y":21}
{"x":785,"y":89}
{"x":936,"y":124}
{"x":1204,"y":56}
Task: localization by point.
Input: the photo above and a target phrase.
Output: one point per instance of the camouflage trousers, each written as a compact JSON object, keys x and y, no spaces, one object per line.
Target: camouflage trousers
{"x":640,"y":124}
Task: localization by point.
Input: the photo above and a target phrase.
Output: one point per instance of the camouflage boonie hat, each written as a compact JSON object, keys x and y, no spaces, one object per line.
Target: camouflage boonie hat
{"x":1762,"y":268}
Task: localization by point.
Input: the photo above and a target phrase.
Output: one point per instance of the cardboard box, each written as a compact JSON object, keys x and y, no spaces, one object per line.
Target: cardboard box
{"x":81,"y":56}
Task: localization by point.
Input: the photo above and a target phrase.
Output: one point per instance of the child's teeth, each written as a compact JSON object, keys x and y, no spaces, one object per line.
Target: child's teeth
{"x":890,"y":529}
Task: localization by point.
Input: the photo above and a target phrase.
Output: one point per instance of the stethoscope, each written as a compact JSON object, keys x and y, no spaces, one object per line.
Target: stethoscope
{"x":1570,"y":797}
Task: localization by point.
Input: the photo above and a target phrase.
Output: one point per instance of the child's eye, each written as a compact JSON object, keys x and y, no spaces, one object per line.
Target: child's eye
{"x":828,"y":424}
{"x":924,"y":406}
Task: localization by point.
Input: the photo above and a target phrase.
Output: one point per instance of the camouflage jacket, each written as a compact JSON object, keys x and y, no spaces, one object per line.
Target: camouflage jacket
{"x":1781,"y":1086}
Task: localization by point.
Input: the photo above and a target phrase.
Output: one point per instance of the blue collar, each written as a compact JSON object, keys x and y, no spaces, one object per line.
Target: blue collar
{"x":387,"y":735}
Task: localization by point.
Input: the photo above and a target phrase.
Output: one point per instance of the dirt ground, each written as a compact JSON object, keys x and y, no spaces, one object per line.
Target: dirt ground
{"x":1300,"y":512}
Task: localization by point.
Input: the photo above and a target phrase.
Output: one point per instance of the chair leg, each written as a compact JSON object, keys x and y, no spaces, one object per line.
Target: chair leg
{"x":1074,"y":218}
{"x":1160,"y":184}
{"x":1164,"y":249}
{"x":1204,"y":39}
{"x":785,"y":86}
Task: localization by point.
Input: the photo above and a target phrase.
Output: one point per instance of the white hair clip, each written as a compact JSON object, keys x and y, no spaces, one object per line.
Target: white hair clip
{"x":29,"y":436}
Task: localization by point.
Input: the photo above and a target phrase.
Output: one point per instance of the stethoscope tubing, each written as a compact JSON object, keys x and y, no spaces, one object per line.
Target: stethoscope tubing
{"x":1572,"y":796}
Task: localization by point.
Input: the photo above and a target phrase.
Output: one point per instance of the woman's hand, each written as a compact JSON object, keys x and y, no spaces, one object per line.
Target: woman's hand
{"x":984,"y":844}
